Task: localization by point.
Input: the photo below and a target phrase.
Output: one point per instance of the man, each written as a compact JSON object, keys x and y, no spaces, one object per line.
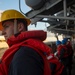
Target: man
{"x":70,"y":54}
{"x":62,"y":51}
{"x":25,"y":55}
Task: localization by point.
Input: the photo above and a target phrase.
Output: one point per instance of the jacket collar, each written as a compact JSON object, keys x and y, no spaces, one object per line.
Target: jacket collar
{"x":35,"y":34}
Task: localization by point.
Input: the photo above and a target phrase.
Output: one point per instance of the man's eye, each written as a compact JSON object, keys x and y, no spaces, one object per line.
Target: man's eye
{"x":6,"y":26}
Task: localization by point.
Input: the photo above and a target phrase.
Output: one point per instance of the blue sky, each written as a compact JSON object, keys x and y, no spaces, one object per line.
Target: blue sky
{"x":14,"y":4}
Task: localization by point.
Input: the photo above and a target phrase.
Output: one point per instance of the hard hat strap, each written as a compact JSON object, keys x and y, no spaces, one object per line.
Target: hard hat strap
{"x":15,"y":26}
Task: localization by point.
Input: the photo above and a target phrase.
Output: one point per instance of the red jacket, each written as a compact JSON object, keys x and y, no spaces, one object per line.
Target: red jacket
{"x":70,"y":49}
{"x":59,"y":66}
{"x":60,"y":47}
{"x":30,"y":39}
{"x":66,"y":51}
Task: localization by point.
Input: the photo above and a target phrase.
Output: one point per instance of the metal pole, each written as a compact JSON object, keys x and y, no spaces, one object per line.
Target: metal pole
{"x":65,"y":11}
{"x":55,"y":17}
{"x":65,"y":8}
{"x":62,"y":30}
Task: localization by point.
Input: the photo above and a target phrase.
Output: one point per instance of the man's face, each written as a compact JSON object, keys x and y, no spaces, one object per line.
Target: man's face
{"x":8,"y":29}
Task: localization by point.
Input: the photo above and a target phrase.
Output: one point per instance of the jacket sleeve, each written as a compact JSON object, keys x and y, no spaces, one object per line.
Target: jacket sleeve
{"x":26,"y":61}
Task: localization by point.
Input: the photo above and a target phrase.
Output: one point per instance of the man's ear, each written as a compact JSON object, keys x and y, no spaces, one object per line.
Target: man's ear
{"x":20,"y":27}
